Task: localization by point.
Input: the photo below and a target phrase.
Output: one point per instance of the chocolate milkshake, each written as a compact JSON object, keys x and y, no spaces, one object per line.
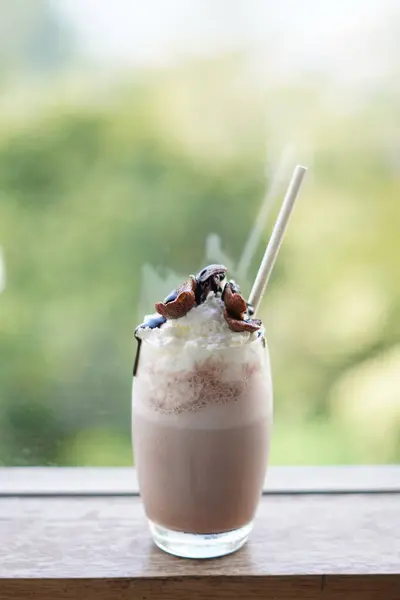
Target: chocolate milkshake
{"x":202,"y":412}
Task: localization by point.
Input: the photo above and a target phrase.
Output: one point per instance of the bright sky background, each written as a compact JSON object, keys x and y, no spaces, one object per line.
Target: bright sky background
{"x":341,"y":35}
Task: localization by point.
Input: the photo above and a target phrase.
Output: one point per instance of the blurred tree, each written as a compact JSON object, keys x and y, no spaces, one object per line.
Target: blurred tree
{"x":92,"y":191}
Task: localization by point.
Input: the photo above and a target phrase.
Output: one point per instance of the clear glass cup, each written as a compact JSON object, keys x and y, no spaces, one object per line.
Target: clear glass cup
{"x":201,"y":429}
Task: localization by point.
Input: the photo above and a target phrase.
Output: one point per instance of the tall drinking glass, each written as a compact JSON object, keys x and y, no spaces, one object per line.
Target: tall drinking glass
{"x":201,"y":429}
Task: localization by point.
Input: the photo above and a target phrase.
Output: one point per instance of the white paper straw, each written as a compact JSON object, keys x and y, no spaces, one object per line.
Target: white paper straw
{"x":276,"y":238}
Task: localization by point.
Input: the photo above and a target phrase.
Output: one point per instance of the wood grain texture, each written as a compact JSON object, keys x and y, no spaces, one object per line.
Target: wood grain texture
{"x":307,"y":547}
{"x":293,"y":535}
{"x":315,"y":587}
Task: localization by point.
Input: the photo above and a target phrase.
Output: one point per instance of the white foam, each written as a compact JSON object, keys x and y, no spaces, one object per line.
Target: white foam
{"x":254,"y":404}
{"x":203,"y":387}
{"x":196,"y":364}
{"x":203,"y":326}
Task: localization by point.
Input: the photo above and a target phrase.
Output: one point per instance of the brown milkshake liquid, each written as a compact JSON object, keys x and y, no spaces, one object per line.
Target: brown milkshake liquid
{"x":207,"y":481}
{"x":201,"y":435}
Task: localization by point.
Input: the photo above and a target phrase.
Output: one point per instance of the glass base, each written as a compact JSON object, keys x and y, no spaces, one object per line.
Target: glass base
{"x":198,"y":545}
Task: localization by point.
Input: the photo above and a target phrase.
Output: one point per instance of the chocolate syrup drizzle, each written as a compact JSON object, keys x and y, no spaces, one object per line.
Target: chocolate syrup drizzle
{"x":152,"y":323}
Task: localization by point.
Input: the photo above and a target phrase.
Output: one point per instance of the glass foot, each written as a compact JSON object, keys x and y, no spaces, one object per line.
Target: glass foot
{"x":198,"y":545}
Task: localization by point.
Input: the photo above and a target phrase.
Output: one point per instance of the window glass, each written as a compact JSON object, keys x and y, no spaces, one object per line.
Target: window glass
{"x":141,"y":141}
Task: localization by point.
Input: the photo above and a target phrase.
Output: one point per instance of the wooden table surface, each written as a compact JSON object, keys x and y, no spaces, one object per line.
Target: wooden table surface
{"x":303,"y":546}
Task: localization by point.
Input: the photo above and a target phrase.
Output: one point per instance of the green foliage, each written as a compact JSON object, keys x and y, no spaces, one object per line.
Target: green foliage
{"x":90,"y":192}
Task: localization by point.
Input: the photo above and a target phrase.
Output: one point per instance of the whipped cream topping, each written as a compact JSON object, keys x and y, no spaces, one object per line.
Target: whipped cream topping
{"x":202,"y":326}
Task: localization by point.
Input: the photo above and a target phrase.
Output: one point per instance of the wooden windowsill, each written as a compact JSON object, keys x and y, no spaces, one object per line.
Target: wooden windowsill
{"x":122,"y":481}
{"x":313,"y":545}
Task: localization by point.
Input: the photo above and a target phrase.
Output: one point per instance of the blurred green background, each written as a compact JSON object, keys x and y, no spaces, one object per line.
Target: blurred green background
{"x":121,"y":173}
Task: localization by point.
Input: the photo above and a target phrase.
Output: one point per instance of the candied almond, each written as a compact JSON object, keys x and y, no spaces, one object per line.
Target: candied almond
{"x":235,"y":304}
{"x":249,"y":325}
{"x":179,"y":306}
